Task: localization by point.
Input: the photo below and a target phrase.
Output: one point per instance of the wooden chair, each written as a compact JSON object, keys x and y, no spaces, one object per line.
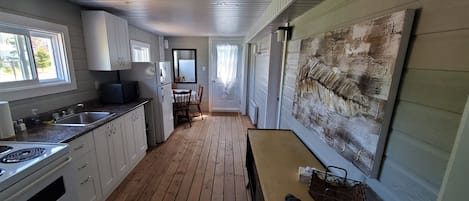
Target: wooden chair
{"x":197,"y":102}
{"x":182,"y":100}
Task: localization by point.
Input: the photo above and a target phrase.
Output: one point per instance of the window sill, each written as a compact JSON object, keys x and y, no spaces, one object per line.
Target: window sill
{"x":35,"y":91}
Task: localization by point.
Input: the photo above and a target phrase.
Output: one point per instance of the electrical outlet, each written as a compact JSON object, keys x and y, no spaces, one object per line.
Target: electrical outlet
{"x":96,"y":84}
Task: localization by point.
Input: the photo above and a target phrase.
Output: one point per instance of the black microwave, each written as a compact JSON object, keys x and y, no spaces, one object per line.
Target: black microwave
{"x":119,"y":92}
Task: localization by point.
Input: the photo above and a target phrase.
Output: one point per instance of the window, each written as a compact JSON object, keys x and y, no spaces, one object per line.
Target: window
{"x":227,"y":64}
{"x":35,"y":58}
{"x":140,"y":51}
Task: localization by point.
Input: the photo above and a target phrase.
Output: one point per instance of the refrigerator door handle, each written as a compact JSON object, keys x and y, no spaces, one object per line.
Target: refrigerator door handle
{"x":162,"y":94}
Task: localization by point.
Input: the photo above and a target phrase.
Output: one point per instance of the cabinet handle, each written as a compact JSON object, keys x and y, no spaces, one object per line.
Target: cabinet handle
{"x":79,"y":147}
{"x":83,"y":166}
{"x":86,"y":180}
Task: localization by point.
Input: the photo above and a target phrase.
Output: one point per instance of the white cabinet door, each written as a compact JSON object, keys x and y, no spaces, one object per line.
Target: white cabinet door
{"x":124,"y":43}
{"x":106,"y":41}
{"x":111,"y":39}
{"x":139,"y":130}
{"x":104,"y":149}
{"x":88,"y":179}
{"x":131,"y":140}
{"x":118,"y":147}
{"x":85,"y":169}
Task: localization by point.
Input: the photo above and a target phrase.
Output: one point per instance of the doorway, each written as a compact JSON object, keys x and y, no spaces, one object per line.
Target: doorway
{"x":225,"y":87}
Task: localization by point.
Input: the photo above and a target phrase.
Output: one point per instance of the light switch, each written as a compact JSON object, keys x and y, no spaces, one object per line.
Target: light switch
{"x":203,"y":68}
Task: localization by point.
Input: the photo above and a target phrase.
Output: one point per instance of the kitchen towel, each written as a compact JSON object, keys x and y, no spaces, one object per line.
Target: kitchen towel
{"x":6,"y":124}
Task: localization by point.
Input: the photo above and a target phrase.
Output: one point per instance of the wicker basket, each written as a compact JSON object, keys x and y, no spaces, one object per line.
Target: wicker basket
{"x":325,"y":186}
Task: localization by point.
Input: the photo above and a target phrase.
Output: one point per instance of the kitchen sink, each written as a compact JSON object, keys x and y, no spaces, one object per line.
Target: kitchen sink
{"x":83,"y":118}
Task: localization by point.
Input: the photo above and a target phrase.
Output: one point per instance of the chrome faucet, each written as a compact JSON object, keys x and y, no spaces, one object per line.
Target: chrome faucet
{"x":70,"y":110}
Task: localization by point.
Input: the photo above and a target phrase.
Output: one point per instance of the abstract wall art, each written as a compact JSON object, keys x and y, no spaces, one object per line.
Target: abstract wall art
{"x":347,"y":82}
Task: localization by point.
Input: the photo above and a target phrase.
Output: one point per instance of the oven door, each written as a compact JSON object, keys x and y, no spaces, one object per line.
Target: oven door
{"x":53,"y":182}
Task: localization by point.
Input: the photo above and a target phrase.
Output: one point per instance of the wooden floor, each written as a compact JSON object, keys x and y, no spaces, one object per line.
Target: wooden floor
{"x":204,"y":162}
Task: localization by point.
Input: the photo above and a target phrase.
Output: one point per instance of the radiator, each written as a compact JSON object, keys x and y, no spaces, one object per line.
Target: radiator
{"x":253,"y":112}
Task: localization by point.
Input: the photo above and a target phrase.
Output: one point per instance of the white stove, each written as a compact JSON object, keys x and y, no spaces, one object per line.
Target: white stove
{"x":31,"y":171}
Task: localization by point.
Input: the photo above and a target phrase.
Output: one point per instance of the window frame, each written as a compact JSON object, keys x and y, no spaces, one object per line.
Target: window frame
{"x":29,"y":27}
{"x":136,"y":43}
{"x":24,"y":33}
{"x":58,"y":56}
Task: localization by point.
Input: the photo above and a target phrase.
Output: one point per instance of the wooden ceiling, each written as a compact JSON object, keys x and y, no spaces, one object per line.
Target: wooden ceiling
{"x":185,"y":17}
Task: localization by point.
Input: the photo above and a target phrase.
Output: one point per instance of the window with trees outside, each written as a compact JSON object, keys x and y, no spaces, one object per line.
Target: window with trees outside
{"x":35,"y":58}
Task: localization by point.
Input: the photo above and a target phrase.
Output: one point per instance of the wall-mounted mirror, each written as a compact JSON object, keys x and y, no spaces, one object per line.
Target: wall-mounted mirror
{"x":184,"y":65}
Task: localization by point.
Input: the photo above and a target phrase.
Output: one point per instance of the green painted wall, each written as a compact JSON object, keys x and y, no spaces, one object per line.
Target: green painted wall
{"x":431,"y":97}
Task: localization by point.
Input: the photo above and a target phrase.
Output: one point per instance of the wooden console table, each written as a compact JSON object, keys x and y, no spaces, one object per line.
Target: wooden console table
{"x":272,"y":161}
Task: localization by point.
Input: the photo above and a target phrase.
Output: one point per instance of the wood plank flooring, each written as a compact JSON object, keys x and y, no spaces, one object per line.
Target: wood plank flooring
{"x":201,"y":163}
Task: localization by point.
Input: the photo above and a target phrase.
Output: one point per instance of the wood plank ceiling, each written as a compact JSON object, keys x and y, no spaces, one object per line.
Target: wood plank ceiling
{"x":185,"y":17}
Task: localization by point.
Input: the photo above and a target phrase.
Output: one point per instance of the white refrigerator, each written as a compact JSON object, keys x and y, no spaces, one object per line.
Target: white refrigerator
{"x":154,"y":82}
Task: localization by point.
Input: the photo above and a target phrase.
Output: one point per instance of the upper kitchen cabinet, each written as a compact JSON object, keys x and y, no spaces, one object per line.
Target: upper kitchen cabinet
{"x":106,"y":40}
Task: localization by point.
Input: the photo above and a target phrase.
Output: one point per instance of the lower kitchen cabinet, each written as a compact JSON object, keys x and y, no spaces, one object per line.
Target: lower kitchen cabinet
{"x":111,"y":155}
{"x":104,"y":155}
{"x":130,"y":137}
{"x":139,"y":131}
{"x":85,"y":168}
{"x":120,"y":145}
{"x":102,"y":158}
{"x":134,"y":129}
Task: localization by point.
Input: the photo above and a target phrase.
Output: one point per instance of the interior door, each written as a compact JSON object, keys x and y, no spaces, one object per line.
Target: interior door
{"x":225,"y":97}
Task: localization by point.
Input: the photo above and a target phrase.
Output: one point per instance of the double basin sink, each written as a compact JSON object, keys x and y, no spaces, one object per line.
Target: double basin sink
{"x":83,"y":118}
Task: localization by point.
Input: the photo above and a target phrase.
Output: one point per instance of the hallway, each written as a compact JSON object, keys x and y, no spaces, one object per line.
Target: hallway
{"x":204,"y":162}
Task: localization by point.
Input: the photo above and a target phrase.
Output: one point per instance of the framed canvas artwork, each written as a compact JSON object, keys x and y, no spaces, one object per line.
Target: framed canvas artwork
{"x":347,"y":82}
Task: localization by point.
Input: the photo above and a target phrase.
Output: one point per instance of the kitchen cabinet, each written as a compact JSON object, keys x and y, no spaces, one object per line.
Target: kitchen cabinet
{"x":101,"y":159}
{"x":118,"y":144}
{"x":132,"y":150}
{"x":85,"y":169}
{"x":139,"y":130}
{"x":111,"y":155}
{"x":106,"y":40}
{"x":134,"y":128}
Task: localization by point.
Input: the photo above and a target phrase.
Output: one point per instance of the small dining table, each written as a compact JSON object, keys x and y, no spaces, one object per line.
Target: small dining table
{"x":193,"y":93}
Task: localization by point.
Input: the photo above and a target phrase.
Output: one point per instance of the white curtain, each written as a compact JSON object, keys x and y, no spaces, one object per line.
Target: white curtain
{"x":227,"y":65}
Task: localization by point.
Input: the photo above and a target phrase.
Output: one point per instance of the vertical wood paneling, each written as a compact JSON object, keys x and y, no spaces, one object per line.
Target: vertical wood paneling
{"x":261,"y":76}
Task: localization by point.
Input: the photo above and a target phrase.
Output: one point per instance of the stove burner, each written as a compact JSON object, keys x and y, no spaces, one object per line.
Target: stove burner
{"x":4,"y":148}
{"x":23,"y":155}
